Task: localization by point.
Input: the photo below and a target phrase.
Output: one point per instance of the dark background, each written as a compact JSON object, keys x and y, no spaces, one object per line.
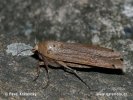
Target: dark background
{"x":107,"y":23}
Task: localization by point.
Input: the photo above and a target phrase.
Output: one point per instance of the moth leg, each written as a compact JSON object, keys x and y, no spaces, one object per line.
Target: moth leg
{"x":40,"y":63}
{"x":46,"y":68}
{"x":70,"y":70}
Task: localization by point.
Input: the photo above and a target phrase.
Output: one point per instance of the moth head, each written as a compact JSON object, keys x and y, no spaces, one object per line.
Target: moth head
{"x":40,"y":48}
{"x":35,"y":49}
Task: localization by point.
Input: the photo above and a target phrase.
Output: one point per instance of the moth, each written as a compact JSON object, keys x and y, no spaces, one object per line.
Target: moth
{"x":58,"y":54}
{"x":76,"y":55}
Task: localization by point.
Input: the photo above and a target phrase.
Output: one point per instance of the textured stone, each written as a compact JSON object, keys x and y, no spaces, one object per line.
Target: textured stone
{"x":106,"y":22}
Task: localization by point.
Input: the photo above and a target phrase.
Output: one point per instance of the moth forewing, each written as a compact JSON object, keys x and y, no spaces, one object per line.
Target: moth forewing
{"x":86,"y":55}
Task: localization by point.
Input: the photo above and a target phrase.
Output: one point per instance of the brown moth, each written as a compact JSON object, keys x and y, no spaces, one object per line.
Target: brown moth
{"x":74,"y":55}
{"x":58,"y":54}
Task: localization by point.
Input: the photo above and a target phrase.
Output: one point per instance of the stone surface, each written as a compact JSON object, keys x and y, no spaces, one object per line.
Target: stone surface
{"x":107,"y":23}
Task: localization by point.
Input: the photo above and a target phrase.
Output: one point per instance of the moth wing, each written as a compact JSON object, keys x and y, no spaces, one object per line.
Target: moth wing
{"x":86,"y":55}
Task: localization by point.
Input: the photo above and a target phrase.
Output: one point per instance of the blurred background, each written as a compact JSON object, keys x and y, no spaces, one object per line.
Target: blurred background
{"x":108,"y":23}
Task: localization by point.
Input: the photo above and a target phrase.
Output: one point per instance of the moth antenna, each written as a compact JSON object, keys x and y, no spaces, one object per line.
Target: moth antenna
{"x":23,"y":51}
